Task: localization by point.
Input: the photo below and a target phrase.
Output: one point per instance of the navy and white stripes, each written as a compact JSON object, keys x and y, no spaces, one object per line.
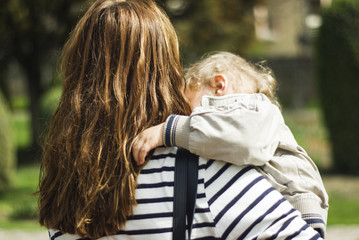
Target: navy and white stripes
{"x":232,"y":203}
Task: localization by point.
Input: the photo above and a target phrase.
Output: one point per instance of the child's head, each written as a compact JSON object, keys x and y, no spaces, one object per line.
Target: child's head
{"x":226,"y":73}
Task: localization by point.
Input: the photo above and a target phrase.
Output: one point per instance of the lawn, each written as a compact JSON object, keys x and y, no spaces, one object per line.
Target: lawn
{"x":309,"y":131}
{"x":18,"y":205}
{"x":343,"y":199}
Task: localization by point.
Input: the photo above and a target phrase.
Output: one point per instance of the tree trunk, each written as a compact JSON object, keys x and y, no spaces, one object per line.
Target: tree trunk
{"x":3,"y":84}
{"x":32,"y":71}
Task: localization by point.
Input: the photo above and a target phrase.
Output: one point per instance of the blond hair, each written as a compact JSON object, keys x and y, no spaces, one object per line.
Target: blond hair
{"x":121,"y":74}
{"x":236,"y":69}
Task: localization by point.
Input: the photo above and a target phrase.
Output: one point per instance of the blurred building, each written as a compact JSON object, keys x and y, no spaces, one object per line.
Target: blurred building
{"x":286,"y":30}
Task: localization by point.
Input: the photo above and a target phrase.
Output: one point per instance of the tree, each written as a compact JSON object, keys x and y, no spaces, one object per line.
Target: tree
{"x":30,"y":33}
{"x":7,"y":156}
{"x":337,"y":62}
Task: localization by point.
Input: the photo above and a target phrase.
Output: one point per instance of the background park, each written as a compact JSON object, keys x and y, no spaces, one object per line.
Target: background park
{"x":311,"y":45}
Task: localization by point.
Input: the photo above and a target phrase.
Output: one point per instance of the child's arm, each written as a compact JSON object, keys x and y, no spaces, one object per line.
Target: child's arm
{"x":242,"y":133}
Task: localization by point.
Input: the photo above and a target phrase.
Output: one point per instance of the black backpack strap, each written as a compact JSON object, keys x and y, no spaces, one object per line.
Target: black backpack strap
{"x":192,"y":183}
{"x":185,"y":193}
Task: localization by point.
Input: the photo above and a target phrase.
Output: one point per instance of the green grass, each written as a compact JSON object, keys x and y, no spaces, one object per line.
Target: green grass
{"x":309,"y":131}
{"x":343,"y":210}
{"x":343,"y":199}
{"x":18,"y":207}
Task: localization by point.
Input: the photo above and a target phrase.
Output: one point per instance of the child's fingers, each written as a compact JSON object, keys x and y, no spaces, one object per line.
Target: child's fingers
{"x":140,"y":149}
{"x":145,"y":142}
{"x":136,"y":150}
{"x":142,"y":153}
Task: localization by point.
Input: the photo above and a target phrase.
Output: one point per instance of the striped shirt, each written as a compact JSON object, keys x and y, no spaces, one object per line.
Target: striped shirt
{"x":232,"y":203}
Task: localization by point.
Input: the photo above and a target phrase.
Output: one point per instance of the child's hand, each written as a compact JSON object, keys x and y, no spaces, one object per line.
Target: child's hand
{"x":146,"y":141}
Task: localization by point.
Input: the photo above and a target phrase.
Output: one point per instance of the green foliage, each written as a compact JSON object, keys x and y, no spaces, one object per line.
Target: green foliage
{"x":211,"y":25}
{"x":7,"y":156}
{"x":49,"y":103}
{"x":34,"y":28}
{"x":21,"y":130}
{"x":31,"y":32}
{"x":338,"y":79}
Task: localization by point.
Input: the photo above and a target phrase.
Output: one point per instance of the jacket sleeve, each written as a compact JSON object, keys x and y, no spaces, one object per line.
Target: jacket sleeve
{"x":295,"y":175}
{"x":240,"y":134}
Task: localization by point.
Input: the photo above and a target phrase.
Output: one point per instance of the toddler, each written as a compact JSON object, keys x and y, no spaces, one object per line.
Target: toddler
{"x":236,"y":118}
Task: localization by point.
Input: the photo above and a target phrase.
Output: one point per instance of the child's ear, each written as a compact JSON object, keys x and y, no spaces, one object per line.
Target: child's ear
{"x":220,"y":82}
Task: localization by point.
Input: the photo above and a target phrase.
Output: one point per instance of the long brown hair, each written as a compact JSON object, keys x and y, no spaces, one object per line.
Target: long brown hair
{"x":121,"y":74}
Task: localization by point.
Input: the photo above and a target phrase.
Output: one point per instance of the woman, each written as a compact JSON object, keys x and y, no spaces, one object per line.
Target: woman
{"x":122,"y":74}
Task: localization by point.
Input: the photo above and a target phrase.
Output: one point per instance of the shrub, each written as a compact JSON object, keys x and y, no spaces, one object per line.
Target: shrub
{"x":24,"y":210}
{"x":49,"y":103}
{"x":7,"y":154}
{"x":337,"y":62}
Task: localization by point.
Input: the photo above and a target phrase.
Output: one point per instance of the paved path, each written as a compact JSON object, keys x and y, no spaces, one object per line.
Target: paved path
{"x":333,"y":233}
{"x":343,"y":233}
